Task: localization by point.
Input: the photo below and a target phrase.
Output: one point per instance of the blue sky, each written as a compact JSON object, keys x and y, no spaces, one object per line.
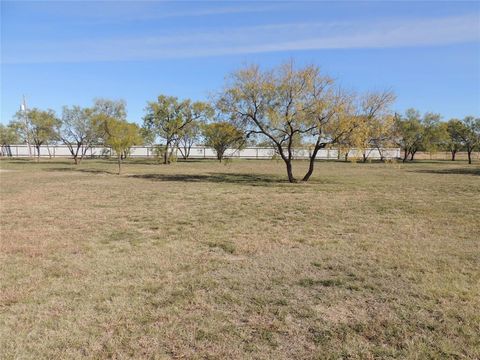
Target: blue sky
{"x":69,"y":52}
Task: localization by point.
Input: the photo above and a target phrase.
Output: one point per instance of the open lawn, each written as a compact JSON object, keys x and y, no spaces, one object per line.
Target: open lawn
{"x":207,"y":260}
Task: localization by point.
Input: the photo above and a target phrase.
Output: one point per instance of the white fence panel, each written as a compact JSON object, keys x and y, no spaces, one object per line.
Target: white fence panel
{"x":197,"y":152}
{"x":139,"y":151}
{"x":200,"y":152}
{"x":64,"y":151}
{"x":248,"y":153}
{"x":21,"y":150}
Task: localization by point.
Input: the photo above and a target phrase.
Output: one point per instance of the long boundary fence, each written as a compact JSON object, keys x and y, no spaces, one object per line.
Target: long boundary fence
{"x":196,"y":152}
{"x":203,"y":152}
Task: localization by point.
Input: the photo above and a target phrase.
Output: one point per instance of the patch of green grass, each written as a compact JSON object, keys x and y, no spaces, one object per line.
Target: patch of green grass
{"x":228,"y":247}
{"x":308,"y":282}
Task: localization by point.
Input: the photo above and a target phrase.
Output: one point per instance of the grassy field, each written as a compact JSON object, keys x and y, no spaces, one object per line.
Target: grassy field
{"x":206,"y":260}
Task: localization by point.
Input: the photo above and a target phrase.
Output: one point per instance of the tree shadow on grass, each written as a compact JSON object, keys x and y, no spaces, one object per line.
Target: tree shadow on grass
{"x":230,"y":178}
{"x":475,"y":171}
{"x":13,"y":159}
{"x":159,"y":162}
{"x":34,"y":162}
{"x":90,"y":171}
{"x":430,"y":161}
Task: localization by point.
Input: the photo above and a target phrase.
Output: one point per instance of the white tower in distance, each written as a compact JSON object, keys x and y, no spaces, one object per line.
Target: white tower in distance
{"x":23,"y":109}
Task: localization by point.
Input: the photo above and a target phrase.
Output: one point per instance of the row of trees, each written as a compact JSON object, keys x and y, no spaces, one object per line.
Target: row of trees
{"x":413,"y":133}
{"x":179,"y":124}
{"x":79,"y":128}
{"x":285,"y":107}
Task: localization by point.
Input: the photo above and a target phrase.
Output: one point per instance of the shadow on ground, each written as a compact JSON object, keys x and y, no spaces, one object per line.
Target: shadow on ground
{"x":160,"y":162}
{"x":33,"y":162}
{"x":456,"y":171}
{"x":232,"y":178}
{"x":90,"y":171}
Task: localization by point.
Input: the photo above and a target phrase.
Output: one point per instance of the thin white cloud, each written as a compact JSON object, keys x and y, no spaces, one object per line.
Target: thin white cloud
{"x":109,"y":12}
{"x":255,"y":39}
{"x":215,"y":11}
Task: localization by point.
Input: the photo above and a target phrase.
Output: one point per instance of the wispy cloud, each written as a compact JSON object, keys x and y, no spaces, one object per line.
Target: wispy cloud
{"x":108,"y":12}
{"x":254,"y":39}
{"x":214,"y":11}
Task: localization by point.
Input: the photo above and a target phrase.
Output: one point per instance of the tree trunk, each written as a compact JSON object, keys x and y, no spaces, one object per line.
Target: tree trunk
{"x":453,"y":155}
{"x":75,"y":154}
{"x":469,"y":153}
{"x":119,"y":159}
{"x":311,"y":164}
{"x":380,"y":152}
{"x":405,"y":155}
{"x":291,"y":179}
{"x":165,"y":155}
{"x":364,"y":155}
{"x":288,"y":162}
{"x":82,"y":154}
{"x":184,"y":151}
{"x":412,"y":155}
{"x":220,"y":152}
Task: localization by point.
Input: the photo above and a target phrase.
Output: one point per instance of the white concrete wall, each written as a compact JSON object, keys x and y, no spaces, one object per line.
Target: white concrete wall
{"x":199,"y":152}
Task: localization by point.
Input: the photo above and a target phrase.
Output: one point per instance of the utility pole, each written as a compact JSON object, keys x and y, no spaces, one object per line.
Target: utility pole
{"x":23,"y":108}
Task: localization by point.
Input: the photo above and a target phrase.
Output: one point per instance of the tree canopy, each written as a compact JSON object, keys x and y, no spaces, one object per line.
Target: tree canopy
{"x":38,"y":126}
{"x":168,"y":117}
{"x":286,"y":103}
{"x":119,"y":135}
{"x":78,"y":130}
{"x":221,"y":136}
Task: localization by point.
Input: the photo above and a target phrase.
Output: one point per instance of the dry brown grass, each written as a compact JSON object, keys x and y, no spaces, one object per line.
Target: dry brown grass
{"x":203,"y":260}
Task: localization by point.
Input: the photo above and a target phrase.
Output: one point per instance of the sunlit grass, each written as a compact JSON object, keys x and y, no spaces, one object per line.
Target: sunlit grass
{"x":201,"y":259}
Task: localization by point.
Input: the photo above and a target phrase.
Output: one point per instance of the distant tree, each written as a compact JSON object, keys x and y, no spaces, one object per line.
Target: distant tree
{"x":382,"y":135}
{"x":454,"y":142}
{"x":221,"y":136}
{"x":470,"y":135}
{"x":287,"y":103}
{"x":409,"y":133}
{"x":41,"y":127}
{"x":375,"y":122}
{"x":372,"y":133}
{"x":22,"y":127}
{"x":373,"y":126}
{"x":357,"y":139}
{"x":343,"y":147}
{"x":116,"y":109}
{"x":119,"y":135}
{"x":433,"y":133}
{"x":8,"y":136}
{"x":168,"y":117}
{"x":78,"y":131}
{"x":190,"y":134}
